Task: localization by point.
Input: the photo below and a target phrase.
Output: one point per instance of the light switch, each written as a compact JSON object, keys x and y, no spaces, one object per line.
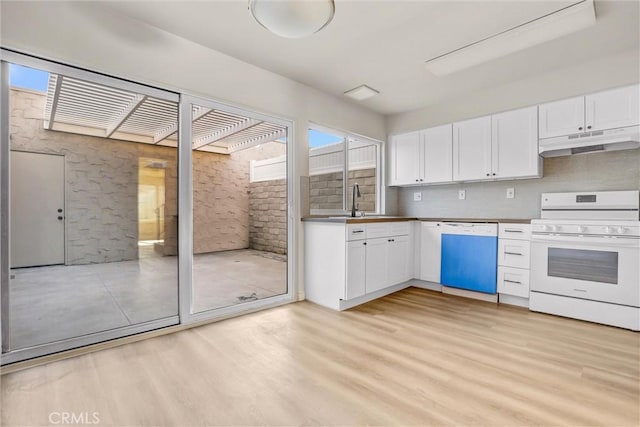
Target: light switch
{"x":417,"y":196}
{"x":511,"y":193}
{"x":462,"y":194}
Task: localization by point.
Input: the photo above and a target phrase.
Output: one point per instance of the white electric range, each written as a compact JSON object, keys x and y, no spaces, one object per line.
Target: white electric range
{"x":585,"y":257}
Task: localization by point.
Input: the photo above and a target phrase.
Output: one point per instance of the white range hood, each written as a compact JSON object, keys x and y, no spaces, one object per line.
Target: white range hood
{"x":589,"y":142}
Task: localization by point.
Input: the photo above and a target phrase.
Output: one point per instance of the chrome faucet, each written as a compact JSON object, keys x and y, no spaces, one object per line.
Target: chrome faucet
{"x":355,"y":192}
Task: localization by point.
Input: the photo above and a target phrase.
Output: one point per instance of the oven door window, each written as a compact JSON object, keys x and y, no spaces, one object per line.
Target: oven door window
{"x":579,"y":264}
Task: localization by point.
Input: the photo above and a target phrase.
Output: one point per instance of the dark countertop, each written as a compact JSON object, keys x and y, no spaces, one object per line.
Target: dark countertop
{"x":373,"y":218}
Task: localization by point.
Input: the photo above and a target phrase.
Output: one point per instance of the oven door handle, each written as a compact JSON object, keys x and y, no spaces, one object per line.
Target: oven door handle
{"x":613,"y":241}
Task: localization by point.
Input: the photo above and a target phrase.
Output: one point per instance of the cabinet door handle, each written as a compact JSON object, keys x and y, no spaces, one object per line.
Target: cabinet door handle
{"x":357,"y":231}
{"x":513,"y":281}
{"x":364,"y":243}
{"x":580,"y":128}
{"x":509,"y":230}
{"x":588,"y":127}
{"x":512,"y":253}
{"x":494,"y":174}
{"x":487,"y":174}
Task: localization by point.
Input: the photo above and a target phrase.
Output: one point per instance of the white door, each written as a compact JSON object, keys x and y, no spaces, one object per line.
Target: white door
{"x":37,"y":209}
{"x":515,"y":143}
{"x":430,"y":245}
{"x":377,"y":269}
{"x":472,"y":149}
{"x":561,"y":118}
{"x":398,"y":259}
{"x":437,"y":144}
{"x":613,"y":108}
{"x":356,"y":268}
{"x":405,"y":150}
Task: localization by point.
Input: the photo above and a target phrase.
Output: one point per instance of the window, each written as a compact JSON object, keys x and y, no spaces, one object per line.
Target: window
{"x":338,"y":161}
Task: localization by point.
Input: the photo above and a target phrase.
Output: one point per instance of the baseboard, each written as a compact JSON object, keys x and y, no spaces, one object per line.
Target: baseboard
{"x":470,"y":294}
{"x":344,"y":304}
{"x":513,"y":300}
{"x":423,"y":284}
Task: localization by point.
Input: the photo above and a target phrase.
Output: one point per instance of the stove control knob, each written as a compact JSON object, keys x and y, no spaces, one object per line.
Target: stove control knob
{"x":608,"y":230}
{"x":620,"y":230}
{"x":582,"y":229}
{"x":554,"y":228}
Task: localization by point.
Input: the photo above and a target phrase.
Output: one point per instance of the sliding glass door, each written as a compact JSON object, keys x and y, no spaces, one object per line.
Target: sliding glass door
{"x":239,"y":196}
{"x":126,"y":208}
{"x":90,"y":178}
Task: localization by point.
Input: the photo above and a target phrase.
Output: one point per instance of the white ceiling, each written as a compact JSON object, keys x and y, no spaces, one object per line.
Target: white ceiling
{"x":384,"y":44}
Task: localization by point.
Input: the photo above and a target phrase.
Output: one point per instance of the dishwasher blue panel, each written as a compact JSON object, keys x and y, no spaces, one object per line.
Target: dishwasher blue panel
{"x":470,"y":262}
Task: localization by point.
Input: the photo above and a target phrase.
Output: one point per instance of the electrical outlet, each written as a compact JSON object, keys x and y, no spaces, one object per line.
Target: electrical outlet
{"x":417,"y":196}
{"x":511,"y":193}
{"x":462,"y":194}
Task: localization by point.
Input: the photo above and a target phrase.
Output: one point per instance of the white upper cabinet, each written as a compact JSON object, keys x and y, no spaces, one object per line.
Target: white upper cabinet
{"x":514,"y":148}
{"x":437,"y":154}
{"x":562,"y":117}
{"x":472,"y":149}
{"x":612,"y":109}
{"x":599,"y":111}
{"x":405,"y":158}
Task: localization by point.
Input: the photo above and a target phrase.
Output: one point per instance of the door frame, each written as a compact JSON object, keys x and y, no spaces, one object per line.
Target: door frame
{"x":185,"y":214}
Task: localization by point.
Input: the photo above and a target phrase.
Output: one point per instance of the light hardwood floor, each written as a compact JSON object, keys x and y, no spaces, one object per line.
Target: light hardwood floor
{"x":413,"y":358}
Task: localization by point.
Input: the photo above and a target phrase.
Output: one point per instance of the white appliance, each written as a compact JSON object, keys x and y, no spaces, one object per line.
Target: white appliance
{"x":586,"y":142}
{"x":585,"y":257}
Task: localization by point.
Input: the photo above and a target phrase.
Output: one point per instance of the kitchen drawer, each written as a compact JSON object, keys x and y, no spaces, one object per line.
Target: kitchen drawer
{"x":378,"y":229}
{"x":399,"y":228}
{"x":356,"y":232}
{"x":513,"y":281}
{"x":514,"y":231}
{"x":513,"y":253}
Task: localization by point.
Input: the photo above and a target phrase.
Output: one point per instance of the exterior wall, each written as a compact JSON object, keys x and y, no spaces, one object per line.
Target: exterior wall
{"x":102,"y":189}
{"x":325,"y":191}
{"x":221,"y":197}
{"x":268,"y":216}
{"x":101,"y":184}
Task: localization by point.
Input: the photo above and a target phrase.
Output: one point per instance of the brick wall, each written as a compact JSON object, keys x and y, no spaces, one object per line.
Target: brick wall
{"x":268,"y":216}
{"x":325,"y":191}
{"x":101,"y":184}
{"x":102,"y":188}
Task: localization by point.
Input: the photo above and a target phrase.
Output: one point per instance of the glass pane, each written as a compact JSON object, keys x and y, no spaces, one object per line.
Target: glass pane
{"x":326,"y":171}
{"x":363,"y":161}
{"x":239,"y":210}
{"x":93,"y":229}
{"x":592,"y":266}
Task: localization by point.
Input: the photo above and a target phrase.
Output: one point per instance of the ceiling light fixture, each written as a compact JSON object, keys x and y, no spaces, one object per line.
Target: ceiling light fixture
{"x":292,"y":18}
{"x":361,"y":92}
{"x":552,"y":26}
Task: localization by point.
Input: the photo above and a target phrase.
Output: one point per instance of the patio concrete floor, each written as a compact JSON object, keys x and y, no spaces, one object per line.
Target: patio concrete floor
{"x":58,"y":302}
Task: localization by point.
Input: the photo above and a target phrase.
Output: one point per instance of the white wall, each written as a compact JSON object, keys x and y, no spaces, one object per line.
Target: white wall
{"x":86,"y":35}
{"x":616,"y":70}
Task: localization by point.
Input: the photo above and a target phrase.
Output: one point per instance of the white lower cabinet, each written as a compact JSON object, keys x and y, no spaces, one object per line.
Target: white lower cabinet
{"x":349,"y":264}
{"x":513,"y":263}
{"x":398,"y":256}
{"x":356,"y":264}
{"x":377,"y":264}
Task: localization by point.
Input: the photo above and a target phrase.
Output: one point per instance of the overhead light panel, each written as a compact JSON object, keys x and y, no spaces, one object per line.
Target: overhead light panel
{"x":292,"y":18}
{"x":361,"y":93}
{"x":549,"y":27}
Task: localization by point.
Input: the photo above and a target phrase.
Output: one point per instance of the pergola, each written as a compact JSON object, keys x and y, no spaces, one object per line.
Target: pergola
{"x":91,"y":109}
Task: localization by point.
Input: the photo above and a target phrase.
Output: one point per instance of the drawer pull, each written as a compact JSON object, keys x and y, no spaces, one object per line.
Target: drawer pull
{"x":510,"y":230}
{"x":513,"y":281}
{"x":513,"y":253}
{"x":357,"y":231}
